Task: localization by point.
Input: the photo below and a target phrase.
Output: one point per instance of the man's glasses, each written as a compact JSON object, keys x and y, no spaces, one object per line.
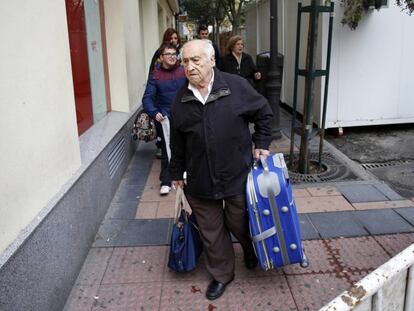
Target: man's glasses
{"x":169,"y":54}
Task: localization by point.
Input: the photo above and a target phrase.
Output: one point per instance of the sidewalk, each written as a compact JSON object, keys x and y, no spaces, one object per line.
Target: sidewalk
{"x":350,"y":228}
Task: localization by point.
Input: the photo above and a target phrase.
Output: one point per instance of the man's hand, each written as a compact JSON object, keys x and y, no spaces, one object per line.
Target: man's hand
{"x":178,"y":183}
{"x":259,"y":152}
{"x":159,"y":117}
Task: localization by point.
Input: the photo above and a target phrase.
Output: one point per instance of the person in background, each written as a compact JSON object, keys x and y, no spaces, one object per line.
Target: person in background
{"x":164,"y":81}
{"x":171,"y":37}
{"x":238,"y":62}
{"x":211,"y":141}
{"x":203,"y":34}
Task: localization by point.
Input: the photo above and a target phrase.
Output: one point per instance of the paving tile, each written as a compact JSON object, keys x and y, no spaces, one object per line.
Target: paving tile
{"x":189,"y":296}
{"x":94,"y":266}
{"x":153,"y":179}
{"x":307,"y":229}
{"x":383,"y":221}
{"x":356,"y":193}
{"x":125,"y":210}
{"x":136,"y":265}
{"x":319,"y":257}
{"x":137,"y":179}
{"x":337,"y":224}
{"x":152,"y":193}
{"x":199,"y":273}
{"x":242,"y":272}
{"x":322,"y":191}
{"x":313,"y":291}
{"x":129,"y":193}
{"x":156,"y":166}
{"x":141,"y":232}
{"x":147,"y":210}
{"x":395,"y":243}
{"x":407,"y":213}
{"x":82,"y":297}
{"x":383,"y":204}
{"x":128,"y":297}
{"x":388,"y":192}
{"x":165,"y":210}
{"x":322,"y":204}
{"x":109,"y":231}
{"x":263,"y":293}
{"x":300,"y":193}
{"x":358,"y":254}
{"x":134,"y":178}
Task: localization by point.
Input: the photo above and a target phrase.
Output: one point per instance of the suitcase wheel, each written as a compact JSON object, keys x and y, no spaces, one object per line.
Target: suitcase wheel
{"x":305,"y":262}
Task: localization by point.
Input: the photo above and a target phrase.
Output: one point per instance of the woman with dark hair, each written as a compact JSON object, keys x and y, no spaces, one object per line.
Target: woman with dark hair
{"x":238,"y":62}
{"x":171,"y":37}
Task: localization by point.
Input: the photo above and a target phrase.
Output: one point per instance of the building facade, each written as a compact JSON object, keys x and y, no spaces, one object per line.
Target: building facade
{"x":72,"y":74}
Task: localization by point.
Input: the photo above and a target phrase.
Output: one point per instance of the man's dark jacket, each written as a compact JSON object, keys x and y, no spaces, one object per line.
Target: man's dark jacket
{"x":212,"y":142}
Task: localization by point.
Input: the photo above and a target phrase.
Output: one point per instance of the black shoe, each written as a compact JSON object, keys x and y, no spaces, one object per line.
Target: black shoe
{"x":250,"y":261}
{"x":215,"y":289}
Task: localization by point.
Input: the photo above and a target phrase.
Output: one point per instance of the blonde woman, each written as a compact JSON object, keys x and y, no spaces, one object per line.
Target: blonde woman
{"x":238,"y":62}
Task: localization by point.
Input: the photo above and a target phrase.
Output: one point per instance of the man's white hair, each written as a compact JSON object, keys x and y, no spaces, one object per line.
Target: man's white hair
{"x":209,"y":49}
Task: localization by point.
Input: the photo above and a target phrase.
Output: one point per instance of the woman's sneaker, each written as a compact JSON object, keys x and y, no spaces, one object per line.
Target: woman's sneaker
{"x":165,"y":190}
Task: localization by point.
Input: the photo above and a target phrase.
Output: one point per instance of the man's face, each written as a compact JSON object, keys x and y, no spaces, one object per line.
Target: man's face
{"x":203,"y":34}
{"x":198,"y":67}
{"x":168,"y":58}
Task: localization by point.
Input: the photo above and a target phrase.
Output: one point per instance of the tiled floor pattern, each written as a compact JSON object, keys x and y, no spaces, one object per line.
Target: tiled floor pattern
{"x":308,"y":199}
{"x":137,"y":278}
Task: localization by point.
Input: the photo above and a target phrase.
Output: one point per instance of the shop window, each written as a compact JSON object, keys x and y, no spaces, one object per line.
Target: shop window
{"x":87,"y":58}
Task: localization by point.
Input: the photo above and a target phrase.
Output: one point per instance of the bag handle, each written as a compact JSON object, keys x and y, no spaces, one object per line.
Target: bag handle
{"x":181,"y":203}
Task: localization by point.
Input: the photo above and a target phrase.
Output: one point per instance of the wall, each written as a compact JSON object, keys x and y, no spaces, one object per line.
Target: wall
{"x":151,"y":37}
{"x":371,"y":74}
{"x":39,"y":141}
{"x":115,"y":41}
{"x":134,"y":51}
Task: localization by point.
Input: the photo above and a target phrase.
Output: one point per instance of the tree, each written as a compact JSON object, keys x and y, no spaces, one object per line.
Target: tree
{"x":406,"y":5}
{"x":205,"y":12}
{"x":234,"y":10}
{"x":356,"y":9}
{"x":200,"y":12}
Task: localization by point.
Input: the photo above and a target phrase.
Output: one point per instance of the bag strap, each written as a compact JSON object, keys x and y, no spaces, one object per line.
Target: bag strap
{"x":181,"y":203}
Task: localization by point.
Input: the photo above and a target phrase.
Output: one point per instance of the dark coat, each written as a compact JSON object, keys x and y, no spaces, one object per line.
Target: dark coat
{"x":247,"y":68}
{"x":161,"y":88}
{"x":212,"y":142}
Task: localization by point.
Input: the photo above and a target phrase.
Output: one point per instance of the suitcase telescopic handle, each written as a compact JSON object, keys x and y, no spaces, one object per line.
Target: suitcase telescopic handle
{"x":264,"y":163}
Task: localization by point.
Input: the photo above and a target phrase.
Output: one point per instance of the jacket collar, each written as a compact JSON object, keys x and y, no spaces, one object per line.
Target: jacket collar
{"x":220,"y":89}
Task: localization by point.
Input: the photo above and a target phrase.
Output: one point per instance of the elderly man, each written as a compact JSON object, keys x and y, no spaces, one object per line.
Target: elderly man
{"x":211,"y":141}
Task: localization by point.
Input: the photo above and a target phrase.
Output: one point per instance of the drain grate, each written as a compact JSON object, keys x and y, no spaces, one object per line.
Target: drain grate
{"x":369,"y":166}
{"x":334,"y":171}
{"x":399,"y":174}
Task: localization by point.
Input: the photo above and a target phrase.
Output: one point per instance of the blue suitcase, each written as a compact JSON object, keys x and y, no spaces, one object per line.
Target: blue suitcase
{"x":273,"y":219}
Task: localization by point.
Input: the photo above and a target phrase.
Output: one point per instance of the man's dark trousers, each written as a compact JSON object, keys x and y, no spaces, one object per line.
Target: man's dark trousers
{"x":215,"y":222}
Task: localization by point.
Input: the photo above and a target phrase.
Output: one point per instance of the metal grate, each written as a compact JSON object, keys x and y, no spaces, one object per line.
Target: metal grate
{"x":116,"y":156}
{"x":369,"y":166}
{"x":334,"y":170}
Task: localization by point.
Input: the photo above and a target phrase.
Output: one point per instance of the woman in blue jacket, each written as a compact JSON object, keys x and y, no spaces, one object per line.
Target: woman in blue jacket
{"x":163,"y":82}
